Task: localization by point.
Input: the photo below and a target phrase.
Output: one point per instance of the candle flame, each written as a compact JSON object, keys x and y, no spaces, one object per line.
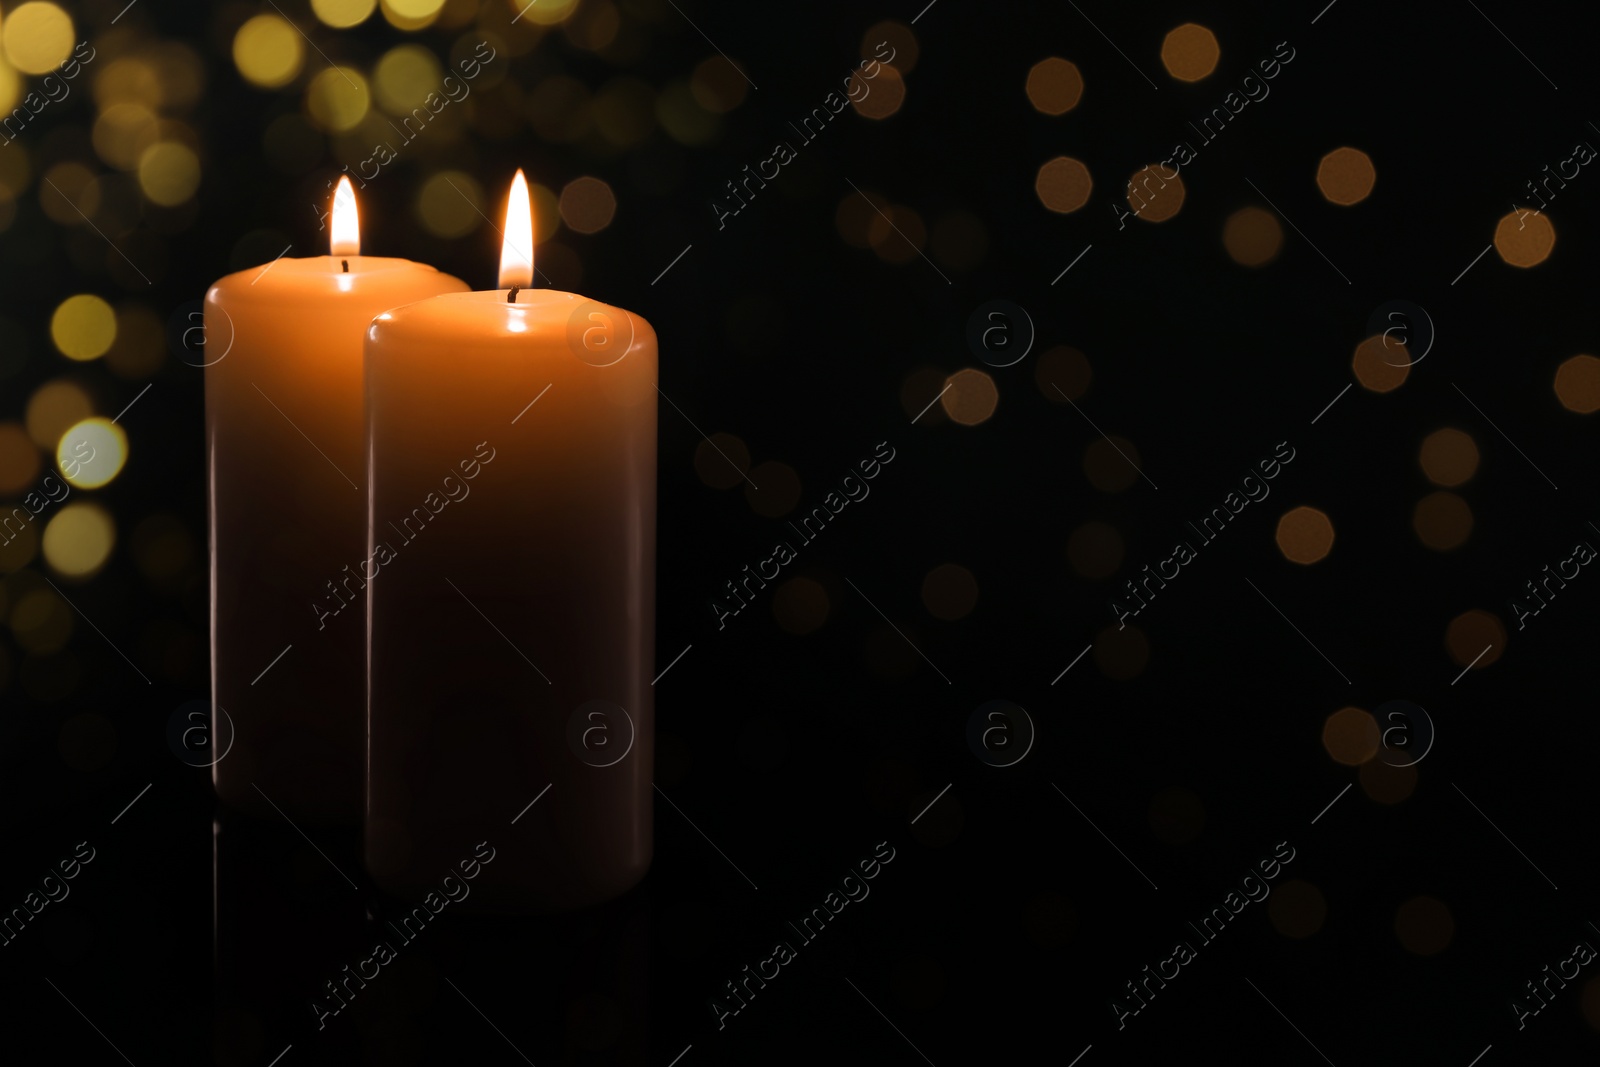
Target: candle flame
{"x":516,"y":247}
{"x":346,"y":229}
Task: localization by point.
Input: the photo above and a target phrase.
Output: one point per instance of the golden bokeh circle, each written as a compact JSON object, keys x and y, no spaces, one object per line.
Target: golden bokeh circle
{"x":1381,"y":364}
{"x":83,"y":327}
{"x":268,"y":51}
{"x":1063,"y":185}
{"x":1350,"y":736}
{"x":1190,"y":52}
{"x":1524,"y":238}
{"x":971,"y":398}
{"x":1252,"y":236}
{"x":1448,"y":457}
{"x":1054,"y":86}
{"x":1346,"y":176}
{"x":1577,"y":384}
{"x":800,"y":606}
{"x":78,"y":540}
{"x":1304,"y":535}
{"x":37,"y":36}
{"x":1153,"y":196}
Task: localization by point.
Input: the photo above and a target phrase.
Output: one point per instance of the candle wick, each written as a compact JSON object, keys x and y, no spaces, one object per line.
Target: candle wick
{"x":346,"y":264}
{"x":511,"y":297}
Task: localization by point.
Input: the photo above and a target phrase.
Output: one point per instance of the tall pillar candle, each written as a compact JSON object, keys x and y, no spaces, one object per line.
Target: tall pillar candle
{"x":287,"y":486}
{"x":512,"y":458}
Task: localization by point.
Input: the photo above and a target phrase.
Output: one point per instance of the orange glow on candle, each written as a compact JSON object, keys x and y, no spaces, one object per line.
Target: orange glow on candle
{"x":516,"y":246}
{"x":345,"y":239}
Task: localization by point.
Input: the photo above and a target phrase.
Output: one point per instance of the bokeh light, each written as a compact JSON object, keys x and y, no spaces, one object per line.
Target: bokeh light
{"x":800,"y":606}
{"x":1350,"y":736}
{"x":1449,"y":457}
{"x":721,"y":460}
{"x":682,"y":116}
{"x":92,"y":452}
{"x":1095,"y":550}
{"x":19,"y":459}
{"x":1424,"y":926}
{"x":54,"y":407}
{"x":949,"y":592}
{"x":78,"y":540}
{"x":420,"y":14}
{"x":41,"y":621}
{"x":450,"y":204}
{"x":140,"y":346}
{"x":1386,"y":784}
{"x":898,"y":38}
{"x":587,"y":205}
{"x":1304,"y":535}
{"x":1524,"y":238}
{"x":342,"y":14}
{"x":1054,"y":86}
{"x":1063,"y":373}
{"x":884,"y":94}
{"x":268,"y":51}
{"x":544,"y":13}
{"x":404,"y":78}
{"x":1346,"y":176}
{"x":1380,"y":364}
{"x":1155,"y":197}
{"x":1475,"y":638}
{"x":1252,"y":236}
{"x":1297,"y":909}
{"x":774,"y":489}
{"x":37,"y":37}
{"x":1442,"y":521}
{"x":717,"y":85}
{"x":69,"y":194}
{"x":1577,"y":384}
{"x":624,"y":111}
{"x":1063,"y":185}
{"x":1190,"y":52}
{"x":122,"y":132}
{"x":83,"y":327}
{"x":971,"y":397}
{"x":169,"y":173}
{"x":338,"y":98}
{"x":1111,"y":464}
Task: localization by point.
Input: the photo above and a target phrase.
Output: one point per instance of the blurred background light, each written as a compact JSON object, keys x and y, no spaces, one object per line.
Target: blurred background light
{"x":1524,"y":238}
{"x":37,"y":36}
{"x":587,"y":205}
{"x":1190,"y":52}
{"x":337,"y":98}
{"x":1054,"y":86}
{"x":1063,"y":185}
{"x":342,"y":14}
{"x":96,"y":468}
{"x":1304,"y":535}
{"x":1111,"y":463}
{"x":721,"y":460}
{"x":971,"y":397}
{"x":1252,"y":236}
{"x":1442,"y":521}
{"x":83,"y":327}
{"x":268,"y":51}
{"x":1577,"y":384}
{"x":1448,"y":457}
{"x":78,"y":540}
{"x":1346,"y":176}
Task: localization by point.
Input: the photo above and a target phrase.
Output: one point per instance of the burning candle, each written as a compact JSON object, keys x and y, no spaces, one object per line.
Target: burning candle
{"x":284,"y":451}
{"x":511,"y":451}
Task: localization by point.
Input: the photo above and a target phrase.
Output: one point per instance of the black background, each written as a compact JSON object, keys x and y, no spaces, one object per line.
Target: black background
{"x":1007,"y":923}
